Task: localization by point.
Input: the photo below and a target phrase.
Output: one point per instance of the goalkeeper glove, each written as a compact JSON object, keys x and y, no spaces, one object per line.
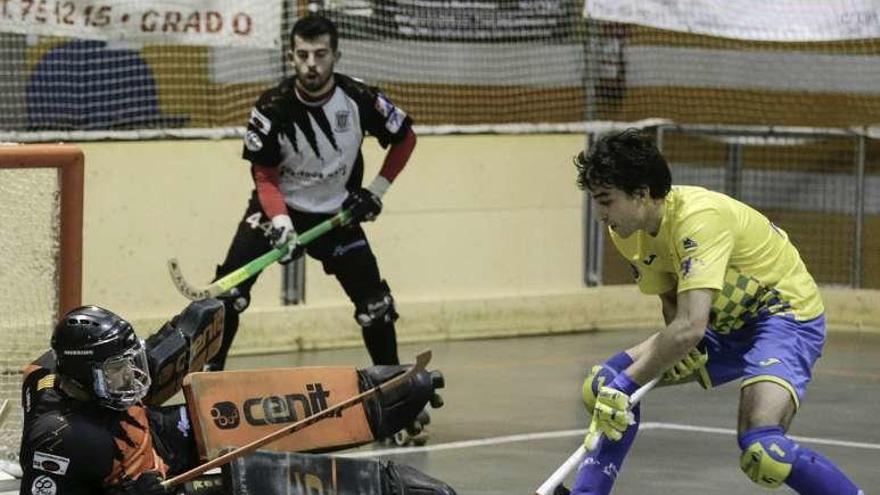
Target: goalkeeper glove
{"x":692,"y":364}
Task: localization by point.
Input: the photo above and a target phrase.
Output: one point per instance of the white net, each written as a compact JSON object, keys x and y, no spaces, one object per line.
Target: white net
{"x":29,"y":249}
{"x":525,"y":66}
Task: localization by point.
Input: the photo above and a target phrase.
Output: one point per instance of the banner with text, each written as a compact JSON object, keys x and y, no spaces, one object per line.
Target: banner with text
{"x":242,"y":23}
{"x":758,"y":20}
{"x":486,"y":20}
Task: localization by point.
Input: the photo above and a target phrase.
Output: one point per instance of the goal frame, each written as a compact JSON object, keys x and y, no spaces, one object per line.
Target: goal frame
{"x":69,"y":160}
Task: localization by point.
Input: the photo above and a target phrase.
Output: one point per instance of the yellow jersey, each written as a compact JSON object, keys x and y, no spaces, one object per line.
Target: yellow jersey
{"x":708,"y":240}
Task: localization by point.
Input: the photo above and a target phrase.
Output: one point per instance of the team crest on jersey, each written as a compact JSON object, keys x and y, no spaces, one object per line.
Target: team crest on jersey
{"x":689,"y":244}
{"x":50,"y":463}
{"x":44,"y":485}
{"x":252,"y":141}
{"x":342,"y":120}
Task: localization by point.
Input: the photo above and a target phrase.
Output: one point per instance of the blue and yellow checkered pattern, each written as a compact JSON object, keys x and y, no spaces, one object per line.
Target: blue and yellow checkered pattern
{"x":741,"y":300}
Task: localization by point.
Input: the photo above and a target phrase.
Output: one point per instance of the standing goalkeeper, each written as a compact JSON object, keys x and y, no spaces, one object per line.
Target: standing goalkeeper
{"x":303,"y":140}
{"x":738,"y":304}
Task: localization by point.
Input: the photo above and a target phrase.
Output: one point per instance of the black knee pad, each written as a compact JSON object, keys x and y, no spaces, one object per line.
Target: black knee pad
{"x":376,"y":309}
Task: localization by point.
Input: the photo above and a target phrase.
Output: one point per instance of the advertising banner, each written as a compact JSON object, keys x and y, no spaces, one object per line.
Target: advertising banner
{"x":239,"y":23}
{"x":757,"y":20}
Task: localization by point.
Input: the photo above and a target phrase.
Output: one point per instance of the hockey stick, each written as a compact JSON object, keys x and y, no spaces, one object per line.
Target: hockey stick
{"x":421,"y":362}
{"x":575,"y":459}
{"x":252,"y":267}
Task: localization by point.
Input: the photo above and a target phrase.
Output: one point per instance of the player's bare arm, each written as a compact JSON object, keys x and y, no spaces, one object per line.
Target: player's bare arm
{"x":673,"y":343}
{"x":669,"y":302}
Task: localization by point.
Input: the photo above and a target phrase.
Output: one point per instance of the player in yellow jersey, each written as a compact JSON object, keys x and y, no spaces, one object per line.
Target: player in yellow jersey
{"x":738,"y":303}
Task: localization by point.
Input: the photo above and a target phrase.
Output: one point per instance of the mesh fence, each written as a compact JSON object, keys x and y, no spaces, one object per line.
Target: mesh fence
{"x":447,"y":63}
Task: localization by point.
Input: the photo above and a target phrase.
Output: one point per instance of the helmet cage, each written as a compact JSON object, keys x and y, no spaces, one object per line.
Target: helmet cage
{"x":121,"y":381}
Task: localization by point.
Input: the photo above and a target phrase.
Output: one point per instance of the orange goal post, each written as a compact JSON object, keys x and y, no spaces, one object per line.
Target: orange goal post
{"x":41,"y":217}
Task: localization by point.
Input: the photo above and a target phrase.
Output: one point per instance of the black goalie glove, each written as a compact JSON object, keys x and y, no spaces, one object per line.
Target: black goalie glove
{"x":398,"y":408}
{"x":364,"y":205}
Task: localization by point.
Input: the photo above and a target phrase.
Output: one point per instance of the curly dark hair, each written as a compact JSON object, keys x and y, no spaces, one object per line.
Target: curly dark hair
{"x":626,"y":160}
{"x":314,"y":25}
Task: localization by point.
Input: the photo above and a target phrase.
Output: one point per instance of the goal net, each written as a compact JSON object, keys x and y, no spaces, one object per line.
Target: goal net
{"x":40,"y":261}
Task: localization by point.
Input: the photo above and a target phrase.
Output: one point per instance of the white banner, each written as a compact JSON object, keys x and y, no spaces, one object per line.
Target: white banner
{"x":251,"y":23}
{"x":759,"y":20}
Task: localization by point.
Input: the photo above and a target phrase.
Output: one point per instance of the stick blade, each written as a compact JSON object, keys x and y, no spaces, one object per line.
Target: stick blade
{"x":188,"y":290}
{"x":422,"y":359}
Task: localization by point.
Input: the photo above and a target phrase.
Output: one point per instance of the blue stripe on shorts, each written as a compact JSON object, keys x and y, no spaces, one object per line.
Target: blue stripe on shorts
{"x":776,"y":348}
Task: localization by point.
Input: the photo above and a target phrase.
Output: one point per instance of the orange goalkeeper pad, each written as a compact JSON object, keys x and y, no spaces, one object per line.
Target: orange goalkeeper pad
{"x":234,"y":408}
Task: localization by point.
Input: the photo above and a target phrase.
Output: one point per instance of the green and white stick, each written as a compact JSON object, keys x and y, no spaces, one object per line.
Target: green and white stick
{"x":253,"y":267}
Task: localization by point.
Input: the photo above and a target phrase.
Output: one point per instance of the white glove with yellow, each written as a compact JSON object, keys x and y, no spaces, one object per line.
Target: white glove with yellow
{"x":694,"y":364}
{"x":611,"y":414}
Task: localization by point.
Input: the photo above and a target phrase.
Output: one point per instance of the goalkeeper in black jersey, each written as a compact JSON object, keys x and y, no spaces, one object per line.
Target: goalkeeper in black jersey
{"x":85,"y":428}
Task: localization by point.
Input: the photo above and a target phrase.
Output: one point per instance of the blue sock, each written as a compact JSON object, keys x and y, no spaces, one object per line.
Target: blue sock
{"x":600,"y":468}
{"x":815,"y":474}
{"x":811,"y":472}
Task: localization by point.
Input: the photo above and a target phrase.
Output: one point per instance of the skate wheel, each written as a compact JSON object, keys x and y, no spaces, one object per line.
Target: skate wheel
{"x":420,"y":441}
{"x":400,"y":439}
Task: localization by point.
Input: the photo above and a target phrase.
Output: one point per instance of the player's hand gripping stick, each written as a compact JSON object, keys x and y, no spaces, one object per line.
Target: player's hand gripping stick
{"x":252,"y":267}
{"x":575,"y":459}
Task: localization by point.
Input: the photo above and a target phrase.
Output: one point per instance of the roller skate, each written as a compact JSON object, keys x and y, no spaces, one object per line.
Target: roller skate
{"x":414,"y":434}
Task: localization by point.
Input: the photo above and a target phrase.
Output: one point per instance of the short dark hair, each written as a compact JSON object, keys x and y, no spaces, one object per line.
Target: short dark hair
{"x":314,"y":25}
{"x":626,"y":160}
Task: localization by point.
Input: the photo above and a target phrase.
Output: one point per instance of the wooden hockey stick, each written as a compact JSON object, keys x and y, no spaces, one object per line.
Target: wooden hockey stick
{"x":575,"y":459}
{"x":421,"y":363}
{"x":252,"y":267}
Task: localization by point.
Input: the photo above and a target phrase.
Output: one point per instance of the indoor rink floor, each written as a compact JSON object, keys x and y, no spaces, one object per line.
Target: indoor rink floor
{"x":513,"y":414}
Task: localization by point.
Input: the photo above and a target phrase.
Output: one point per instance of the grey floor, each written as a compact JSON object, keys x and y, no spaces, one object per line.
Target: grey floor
{"x":513,"y":413}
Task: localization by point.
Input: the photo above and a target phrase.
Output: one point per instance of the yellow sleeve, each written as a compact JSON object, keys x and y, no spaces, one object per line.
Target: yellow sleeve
{"x":702,"y":246}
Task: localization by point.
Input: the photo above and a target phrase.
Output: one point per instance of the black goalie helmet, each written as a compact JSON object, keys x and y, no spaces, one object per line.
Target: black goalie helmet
{"x":99,"y":351}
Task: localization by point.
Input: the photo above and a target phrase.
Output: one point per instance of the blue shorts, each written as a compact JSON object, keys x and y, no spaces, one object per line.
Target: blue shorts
{"x":776,"y":349}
